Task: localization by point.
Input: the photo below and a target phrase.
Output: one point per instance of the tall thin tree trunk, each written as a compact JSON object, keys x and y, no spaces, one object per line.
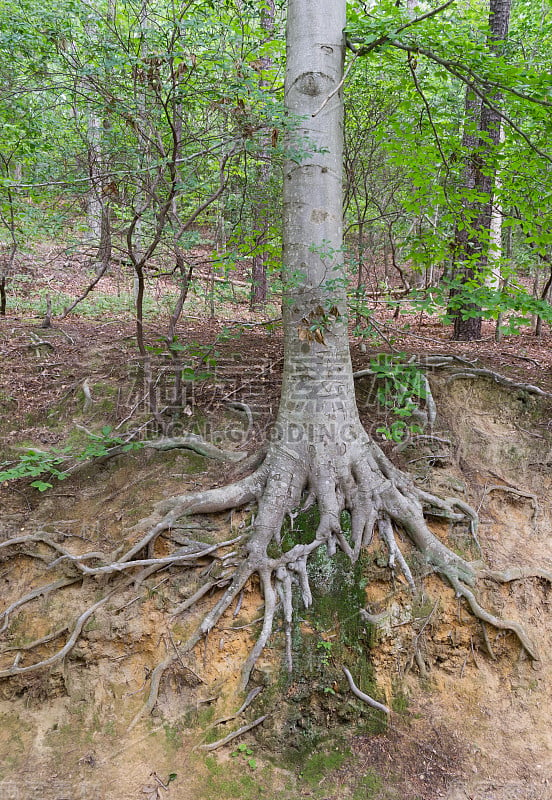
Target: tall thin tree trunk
{"x":545,"y":296}
{"x":98,"y":211}
{"x":472,"y":243}
{"x":316,"y":342}
{"x":9,"y":220}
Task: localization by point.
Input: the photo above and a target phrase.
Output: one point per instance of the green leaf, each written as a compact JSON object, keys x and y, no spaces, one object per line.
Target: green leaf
{"x":41,"y":485}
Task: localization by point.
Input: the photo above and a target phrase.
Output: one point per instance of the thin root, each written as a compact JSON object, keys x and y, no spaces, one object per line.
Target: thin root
{"x":233,"y":735}
{"x":485,"y":616}
{"x":364,"y":697}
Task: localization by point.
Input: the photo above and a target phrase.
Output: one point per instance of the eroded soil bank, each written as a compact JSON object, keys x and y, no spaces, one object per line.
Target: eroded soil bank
{"x":470,"y":713}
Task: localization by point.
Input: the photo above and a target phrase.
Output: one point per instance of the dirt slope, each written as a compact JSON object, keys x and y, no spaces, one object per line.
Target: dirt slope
{"x":464,"y":725}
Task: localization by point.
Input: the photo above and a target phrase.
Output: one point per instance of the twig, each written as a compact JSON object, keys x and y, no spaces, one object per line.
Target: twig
{"x":487,"y":641}
{"x":182,"y":664}
{"x":430,"y":457}
{"x":339,"y":85}
{"x":521,"y":358}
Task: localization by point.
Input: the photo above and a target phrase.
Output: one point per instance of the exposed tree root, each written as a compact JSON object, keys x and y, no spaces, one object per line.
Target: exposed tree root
{"x":234,"y":735}
{"x":190,"y":441}
{"x":515,"y":491}
{"x":467,"y":369}
{"x":501,"y":380}
{"x":41,"y":591}
{"x":68,"y":646}
{"x":155,"y":684}
{"x":246,"y":703}
{"x":517,"y":574}
{"x":356,"y":478}
{"x":362,"y":482}
{"x":364,"y":697}
{"x":502,"y":624}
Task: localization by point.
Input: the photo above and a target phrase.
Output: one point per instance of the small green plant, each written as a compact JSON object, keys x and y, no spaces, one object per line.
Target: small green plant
{"x":33,"y":464}
{"x":246,"y":753}
{"x":398,"y":430}
{"x":401,"y":388}
{"x":324,"y":647}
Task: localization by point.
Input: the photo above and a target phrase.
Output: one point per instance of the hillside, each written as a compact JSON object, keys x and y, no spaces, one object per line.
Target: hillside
{"x":469,"y":711}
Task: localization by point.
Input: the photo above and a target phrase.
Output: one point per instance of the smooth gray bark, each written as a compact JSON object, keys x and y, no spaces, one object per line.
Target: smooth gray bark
{"x":314,"y":306}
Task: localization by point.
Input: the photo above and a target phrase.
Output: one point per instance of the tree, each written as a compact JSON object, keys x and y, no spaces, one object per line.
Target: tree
{"x":473,"y":237}
{"x":261,"y":210}
{"x":318,"y":452}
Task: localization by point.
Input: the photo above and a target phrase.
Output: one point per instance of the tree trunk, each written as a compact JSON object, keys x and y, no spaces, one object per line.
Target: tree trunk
{"x":98,"y":211}
{"x":319,"y":452}
{"x":472,"y":245}
{"x":314,"y":297}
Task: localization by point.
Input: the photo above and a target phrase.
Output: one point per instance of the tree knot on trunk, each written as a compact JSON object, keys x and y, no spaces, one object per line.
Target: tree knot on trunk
{"x":313,"y":84}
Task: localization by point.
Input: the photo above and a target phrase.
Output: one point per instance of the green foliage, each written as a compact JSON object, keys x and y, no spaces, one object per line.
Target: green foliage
{"x":404,"y":158}
{"x":474,"y":298}
{"x":44,"y":466}
{"x":401,"y":389}
{"x":210,"y":71}
{"x":324,"y":646}
{"x":35,"y":463}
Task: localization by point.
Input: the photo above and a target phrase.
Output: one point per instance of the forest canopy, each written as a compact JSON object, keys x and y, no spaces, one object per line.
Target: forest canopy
{"x":136,"y":131}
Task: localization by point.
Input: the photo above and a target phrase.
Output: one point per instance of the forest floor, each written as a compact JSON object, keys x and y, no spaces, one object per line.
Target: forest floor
{"x":465,"y":725}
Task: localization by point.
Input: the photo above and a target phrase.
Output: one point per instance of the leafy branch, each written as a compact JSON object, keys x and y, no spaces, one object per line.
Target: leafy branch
{"x":58,"y":463}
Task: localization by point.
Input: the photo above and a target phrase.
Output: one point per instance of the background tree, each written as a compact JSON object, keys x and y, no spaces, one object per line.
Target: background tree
{"x":473,"y":237}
